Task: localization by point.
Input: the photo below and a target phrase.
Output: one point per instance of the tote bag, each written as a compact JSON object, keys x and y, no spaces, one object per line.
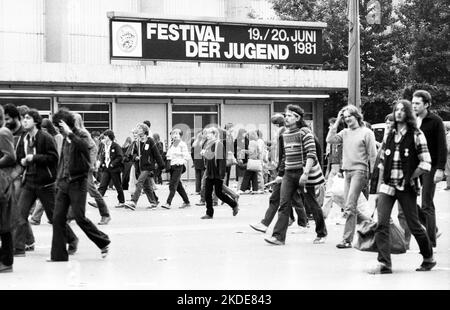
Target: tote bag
{"x":132,"y":181}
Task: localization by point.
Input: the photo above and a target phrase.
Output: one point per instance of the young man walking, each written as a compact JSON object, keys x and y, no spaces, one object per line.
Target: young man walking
{"x":433,"y":128}
{"x":111,"y":164}
{"x":71,"y":182}
{"x":37,"y":153}
{"x":146,"y":154}
{"x":7,"y":161}
{"x":358,"y":158}
{"x":298,"y":160}
{"x":404,"y":158}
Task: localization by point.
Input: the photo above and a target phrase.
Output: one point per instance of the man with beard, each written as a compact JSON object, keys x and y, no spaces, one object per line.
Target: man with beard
{"x":36,"y":152}
{"x":72,"y":174}
{"x":13,"y":123}
{"x":404,"y":158}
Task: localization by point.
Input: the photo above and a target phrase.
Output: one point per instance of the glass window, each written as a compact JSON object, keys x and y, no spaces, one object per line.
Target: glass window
{"x":194,"y":108}
{"x":43,"y":105}
{"x":96,"y":116}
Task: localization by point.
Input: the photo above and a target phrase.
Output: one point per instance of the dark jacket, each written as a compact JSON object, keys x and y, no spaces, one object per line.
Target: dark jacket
{"x":42,"y":169}
{"x":149,"y":155}
{"x":216,"y":164}
{"x":79,"y":161}
{"x":410,"y":161}
{"x":433,"y":128}
{"x":115,"y":158}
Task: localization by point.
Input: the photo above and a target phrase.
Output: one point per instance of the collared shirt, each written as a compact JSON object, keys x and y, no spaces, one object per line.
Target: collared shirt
{"x":397,"y":181}
{"x":64,"y":164}
{"x":29,"y":145}
{"x":107,"y":157}
{"x":179,"y":154}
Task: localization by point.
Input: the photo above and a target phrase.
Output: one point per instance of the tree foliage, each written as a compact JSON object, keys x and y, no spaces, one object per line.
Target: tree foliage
{"x":409,"y":49}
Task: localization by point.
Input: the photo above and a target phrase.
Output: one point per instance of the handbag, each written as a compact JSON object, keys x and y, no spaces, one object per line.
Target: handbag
{"x":254,"y":165}
{"x":231,"y":160}
{"x":365,"y":237}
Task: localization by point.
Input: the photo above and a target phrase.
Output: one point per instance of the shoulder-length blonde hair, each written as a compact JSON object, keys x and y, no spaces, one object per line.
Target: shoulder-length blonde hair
{"x":353,"y":110}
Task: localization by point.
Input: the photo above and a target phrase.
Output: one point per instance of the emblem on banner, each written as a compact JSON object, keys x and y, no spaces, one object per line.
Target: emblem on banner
{"x":127,"y":38}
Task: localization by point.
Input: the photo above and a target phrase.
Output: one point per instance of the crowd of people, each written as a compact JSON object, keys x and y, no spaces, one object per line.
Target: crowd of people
{"x":49,"y":166}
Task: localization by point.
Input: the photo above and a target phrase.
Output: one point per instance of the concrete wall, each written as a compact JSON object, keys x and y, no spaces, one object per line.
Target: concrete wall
{"x":129,"y":113}
{"x":151,"y":75}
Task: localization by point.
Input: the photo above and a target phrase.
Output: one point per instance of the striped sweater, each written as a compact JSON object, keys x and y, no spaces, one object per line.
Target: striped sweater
{"x":298,"y":146}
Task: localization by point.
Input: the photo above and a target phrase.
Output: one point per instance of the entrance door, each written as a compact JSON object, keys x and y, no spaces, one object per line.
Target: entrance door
{"x":191,"y":119}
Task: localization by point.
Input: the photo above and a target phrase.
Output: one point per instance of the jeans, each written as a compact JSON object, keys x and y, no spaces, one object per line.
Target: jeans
{"x":289,"y":186}
{"x":250,"y":176}
{"x":217,"y":185}
{"x":175,"y":184}
{"x":227,"y":175}
{"x":407,"y":201}
{"x":72,"y":194}
{"x":274,"y":203}
{"x":107,"y":176}
{"x":198,"y":179}
{"x":28,"y":195}
{"x":355,"y":181}
{"x":6,"y":249}
{"x":202,"y":191}
{"x":144,"y":183}
{"x":126,"y":175}
{"x":37,"y":212}
{"x":427,"y":214}
{"x":310,"y":200}
{"x":16,"y":212}
{"x":98,"y":197}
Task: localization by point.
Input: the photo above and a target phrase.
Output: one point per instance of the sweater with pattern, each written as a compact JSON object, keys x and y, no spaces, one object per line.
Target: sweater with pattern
{"x":298,"y":146}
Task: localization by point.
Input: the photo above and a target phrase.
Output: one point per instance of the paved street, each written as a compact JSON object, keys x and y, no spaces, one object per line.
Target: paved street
{"x":174,"y":249}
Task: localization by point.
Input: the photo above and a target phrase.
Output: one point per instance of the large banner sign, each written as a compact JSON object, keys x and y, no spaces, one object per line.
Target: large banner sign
{"x":194,"y":41}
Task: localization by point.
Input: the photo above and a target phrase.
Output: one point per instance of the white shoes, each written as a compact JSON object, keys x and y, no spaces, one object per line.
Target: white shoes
{"x":259,"y":227}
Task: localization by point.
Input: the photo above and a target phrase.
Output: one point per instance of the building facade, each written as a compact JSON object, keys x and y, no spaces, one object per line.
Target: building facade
{"x":56,"y":53}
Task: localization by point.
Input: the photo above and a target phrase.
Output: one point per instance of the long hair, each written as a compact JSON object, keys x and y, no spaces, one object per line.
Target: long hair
{"x":65,"y":115}
{"x":79,"y":124}
{"x":296,"y":109}
{"x":353,"y":110}
{"x":410,"y":118}
{"x":48,"y":125}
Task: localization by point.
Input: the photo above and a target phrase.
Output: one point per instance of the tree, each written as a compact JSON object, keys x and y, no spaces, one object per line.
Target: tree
{"x":425,"y":29}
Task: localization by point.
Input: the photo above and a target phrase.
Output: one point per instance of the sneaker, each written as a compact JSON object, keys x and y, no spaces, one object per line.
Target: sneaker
{"x":319,"y":240}
{"x":130,"y":205}
{"x":120,"y":205}
{"x":380,"y":269}
{"x":206,"y":217}
{"x":29,"y":247}
{"x":152,"y":206}
{"x":73,"y":247}
{"x":34,"y":222}
{"x":19,"y":253}
{"x":427,"y":266}
{"x":5,"y":268}
{"x":291,"y":221}
{"x":274,"y":241}
{"x":201,"y":203}
{"x":92,"y":204}
{"x":185,"y":205}
{"x":259,"y":227}
{"x":105,"y":251}
{"x":344,"y":245}
{"x":166,"y":206}
{"x":104,"y":220}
